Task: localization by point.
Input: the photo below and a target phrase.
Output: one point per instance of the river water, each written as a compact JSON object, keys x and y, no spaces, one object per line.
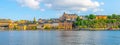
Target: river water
{"x":59,"y":37}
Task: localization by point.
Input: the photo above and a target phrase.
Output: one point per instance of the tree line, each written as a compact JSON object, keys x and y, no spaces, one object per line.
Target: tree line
{"x":112,"y":21}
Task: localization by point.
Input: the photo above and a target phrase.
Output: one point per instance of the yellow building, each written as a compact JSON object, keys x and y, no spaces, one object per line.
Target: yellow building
{"x":12,"y":26}
{"x":47,"y":26}
{"x":101,"y":17}
{"x":32,"y":27}
{"x":6,"y":23}
{"x":22,"y":21}
{"x":22,"y":27}
{"x":65,"y":25}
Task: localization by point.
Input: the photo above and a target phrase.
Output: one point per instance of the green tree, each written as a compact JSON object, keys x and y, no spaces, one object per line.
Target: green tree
{"x":34,"y":20}
{"x":109,"y":17}
{"x":113,"y":21}
{"x":114,"y":16}
{"x":91,"y":16}
{"x":78,"y":19}
{"x":118,"y":16}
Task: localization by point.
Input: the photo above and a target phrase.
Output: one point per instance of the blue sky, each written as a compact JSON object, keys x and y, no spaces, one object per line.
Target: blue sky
{"x":28,"y":9}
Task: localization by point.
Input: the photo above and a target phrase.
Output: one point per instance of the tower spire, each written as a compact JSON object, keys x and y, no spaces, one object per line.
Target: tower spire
{"x":64,"y":13}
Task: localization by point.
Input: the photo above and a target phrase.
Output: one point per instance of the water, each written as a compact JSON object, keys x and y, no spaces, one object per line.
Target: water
{"x":60,"y":38}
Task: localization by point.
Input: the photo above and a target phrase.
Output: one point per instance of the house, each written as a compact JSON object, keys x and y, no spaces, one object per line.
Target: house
{"x":22,"y":21}
{"x":54,"y":20}
{"x":83,"y":17}
{"x":65,"y":25}
{"x":12,"y":26}
{"x":47,"y":25}
{"x":4,"y":23}
{"x":101,"y":17}
{"x":55,"y":25}
{"x":22,"y":27}
{"x":32,"y":26}
{"x":68,"y":17}
{"x":40,"y":26}
{"x":42,"y":20}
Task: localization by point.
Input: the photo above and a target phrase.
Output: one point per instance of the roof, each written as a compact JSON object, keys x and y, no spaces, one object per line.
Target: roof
{"x":32,"y":24}
{"x":70,"y":14}
{"x":5,"y":21}
{"x":101,"y":15}
{"x":66,"y":21}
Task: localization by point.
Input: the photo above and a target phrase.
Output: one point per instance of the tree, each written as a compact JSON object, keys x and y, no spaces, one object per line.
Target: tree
{"x":87,"y":16}
{"x":34,"y":20}
{"x":109,"y":17}
{"x":118,"y":16}
{"x":78,"y":21}
{"x":91,"y":16}
{"x":78,"y":18}
{"x":114,"y":16}
{"x":113,"y":21}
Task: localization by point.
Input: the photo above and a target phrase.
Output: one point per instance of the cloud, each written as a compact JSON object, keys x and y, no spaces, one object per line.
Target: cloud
{"x":102,"y":3}
{"x":42,"y":9}
{"x":98,"y":10}
{"x":78,"y":5}
{"x":69,"y":5}
{"x":34,"y":4}
{"x":48,"y":5}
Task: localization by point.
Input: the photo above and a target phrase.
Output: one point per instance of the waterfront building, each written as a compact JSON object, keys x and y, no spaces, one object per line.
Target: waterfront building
{"x":83,"y":17}
{"x":42,"y":21}
{"x":54,"y":20}
{"x":68,"y":17}
{"x":22,"y":21}
{"x":101,"y":17}
{"x":47,"y":25}
{"x":22,"y":27}
{"x":65,"y":25}
{"x":4,"y":23}
{"x":55,"y":25}
{"x":32,"y":26}
{"x":40,"y":26}
{"x":12,"y":26}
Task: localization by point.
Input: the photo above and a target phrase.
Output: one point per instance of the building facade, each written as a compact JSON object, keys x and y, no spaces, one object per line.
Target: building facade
{"x":6,"y":24}
{"x":65,"y":25}
{"x":68,"y":17}
{"x":101,"y":17}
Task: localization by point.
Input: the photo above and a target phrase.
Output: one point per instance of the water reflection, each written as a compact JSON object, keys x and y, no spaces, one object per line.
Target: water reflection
{"x":24,"y":38}
{"x":87,"y":38}
{"x":59,"y":38}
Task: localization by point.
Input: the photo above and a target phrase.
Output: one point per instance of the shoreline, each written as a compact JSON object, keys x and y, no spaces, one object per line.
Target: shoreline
{"x":83,"y":29}
{"x":74,"y":29}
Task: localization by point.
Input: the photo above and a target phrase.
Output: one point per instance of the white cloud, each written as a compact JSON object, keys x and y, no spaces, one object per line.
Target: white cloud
{"x":74,"y":5}
{"x":102,"y":3}
{"x":97,"y":10}
{"x":42,"y":9}
{"x":34,"y":4}
{"x":79,"y":5}
{"x":48,"y":5}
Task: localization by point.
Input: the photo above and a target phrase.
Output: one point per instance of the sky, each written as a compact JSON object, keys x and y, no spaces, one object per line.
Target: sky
{"x":46,"y":9}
